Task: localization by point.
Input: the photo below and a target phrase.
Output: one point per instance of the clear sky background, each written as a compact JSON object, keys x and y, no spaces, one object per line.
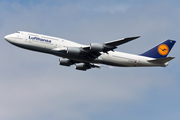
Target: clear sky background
{"x":34,"y":87}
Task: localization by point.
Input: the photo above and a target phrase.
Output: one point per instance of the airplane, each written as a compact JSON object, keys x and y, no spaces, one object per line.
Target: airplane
{"x":85,"y":57}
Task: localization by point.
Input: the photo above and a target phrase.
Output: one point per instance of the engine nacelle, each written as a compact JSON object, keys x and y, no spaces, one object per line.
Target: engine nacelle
{"x":73,"y":51}
{"x":82,"y":66}
{"x":65,"y":62}
{"x":96,"y":47}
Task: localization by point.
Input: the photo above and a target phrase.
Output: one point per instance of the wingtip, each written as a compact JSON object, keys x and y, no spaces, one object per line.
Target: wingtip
{"x":132,"y":38}
{"x":137,"y":36}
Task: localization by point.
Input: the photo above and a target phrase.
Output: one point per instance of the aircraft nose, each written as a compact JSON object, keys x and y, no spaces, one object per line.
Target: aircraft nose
{"x":7,"y":37}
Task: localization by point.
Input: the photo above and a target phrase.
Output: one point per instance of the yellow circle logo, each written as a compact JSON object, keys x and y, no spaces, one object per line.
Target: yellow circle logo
{"x":163,"y":49}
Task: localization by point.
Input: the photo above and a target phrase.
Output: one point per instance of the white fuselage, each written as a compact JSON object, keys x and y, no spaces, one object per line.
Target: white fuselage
{"x":52,"y":45}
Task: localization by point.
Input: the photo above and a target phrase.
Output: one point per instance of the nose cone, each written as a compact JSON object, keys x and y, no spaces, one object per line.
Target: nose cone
{"x":10,"y":38}
{"x":7,"y":38}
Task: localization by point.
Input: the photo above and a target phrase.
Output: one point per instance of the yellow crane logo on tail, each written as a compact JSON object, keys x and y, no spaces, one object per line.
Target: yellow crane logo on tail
{"x":163,"y":49}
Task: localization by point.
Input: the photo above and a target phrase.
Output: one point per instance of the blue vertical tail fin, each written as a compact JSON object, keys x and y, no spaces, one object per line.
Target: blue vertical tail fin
{"x":161,"y":50}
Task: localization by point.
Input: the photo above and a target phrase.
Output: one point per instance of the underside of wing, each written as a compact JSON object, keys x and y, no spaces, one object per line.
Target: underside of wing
{"x":79,"y":65}
{"x":92,"y":51}
{"x":89,"y":53}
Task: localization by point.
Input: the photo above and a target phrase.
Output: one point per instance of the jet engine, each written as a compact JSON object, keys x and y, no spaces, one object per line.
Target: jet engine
{"x":82,"y":66}
{"x":85,"y":66}
{"x":73,"y":51}
{"x":96,"y":47}
{"x":65,"y":62}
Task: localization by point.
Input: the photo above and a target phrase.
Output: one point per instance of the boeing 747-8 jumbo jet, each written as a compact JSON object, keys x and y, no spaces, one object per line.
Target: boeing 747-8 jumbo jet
{"x":90,"y":56}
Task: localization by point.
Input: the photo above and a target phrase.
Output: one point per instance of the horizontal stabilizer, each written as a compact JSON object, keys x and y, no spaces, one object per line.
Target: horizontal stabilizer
{"x":161,"y":60}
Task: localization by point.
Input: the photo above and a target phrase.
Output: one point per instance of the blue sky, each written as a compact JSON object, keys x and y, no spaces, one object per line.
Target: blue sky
{"x":33,"y":86}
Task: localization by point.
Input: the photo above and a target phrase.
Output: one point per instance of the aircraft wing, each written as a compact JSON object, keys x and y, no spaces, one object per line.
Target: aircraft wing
{"x":121,"y":41}
{"x":107,"y":46}
{"x":93,"y":50}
